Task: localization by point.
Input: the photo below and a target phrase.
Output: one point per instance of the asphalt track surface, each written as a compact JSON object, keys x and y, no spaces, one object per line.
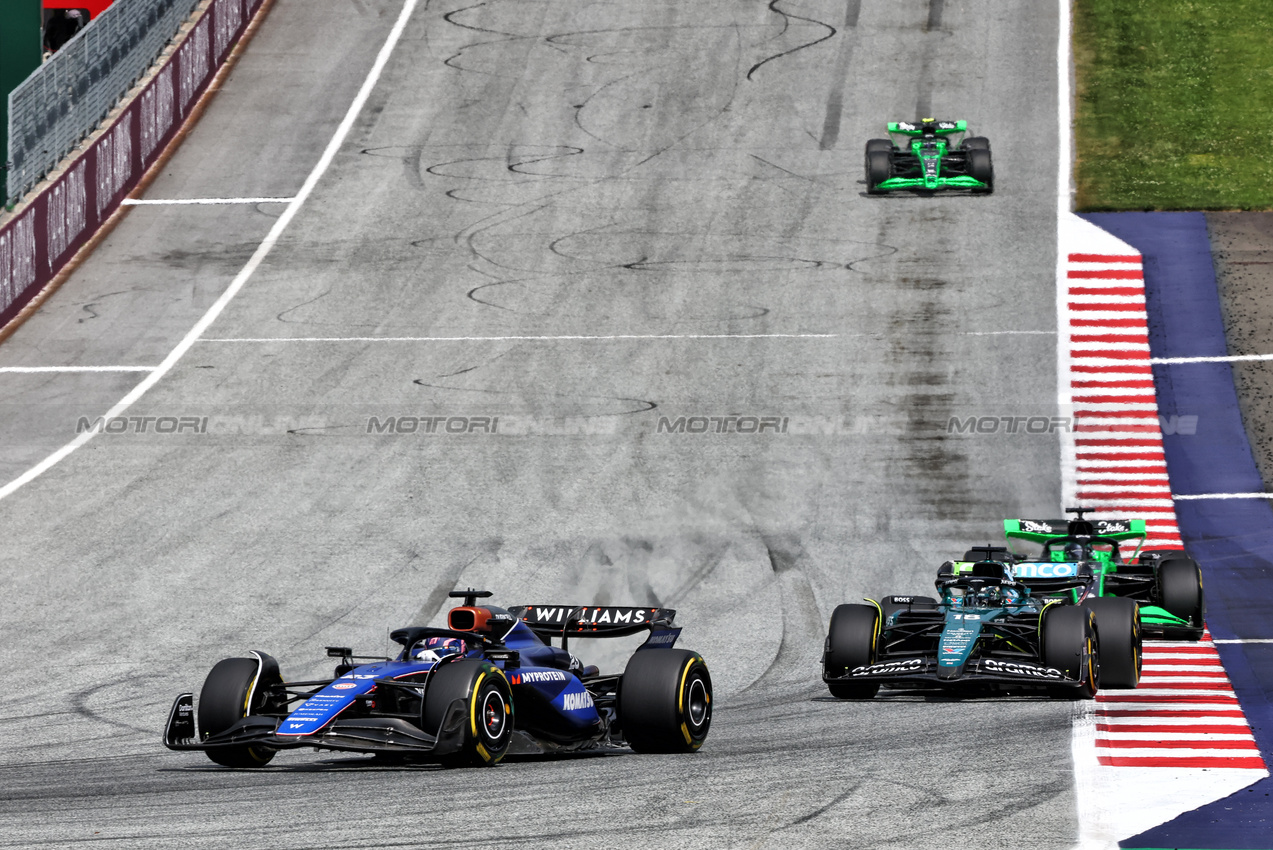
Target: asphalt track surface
{"x":687,"y":177}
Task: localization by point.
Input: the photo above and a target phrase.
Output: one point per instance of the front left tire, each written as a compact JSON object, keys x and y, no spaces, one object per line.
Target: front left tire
{"x":234,"y":689}
{"x":1069,"y":645}
{"x":486,"y":722}
{"x":879,"y":167}
{"x":852,"y":639}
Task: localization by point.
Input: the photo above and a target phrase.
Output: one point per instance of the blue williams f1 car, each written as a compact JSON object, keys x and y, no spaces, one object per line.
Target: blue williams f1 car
{"x":987,"y":632}
{"x":462,"y":695}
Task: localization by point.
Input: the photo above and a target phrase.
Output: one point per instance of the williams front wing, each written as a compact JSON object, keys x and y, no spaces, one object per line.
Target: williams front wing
{"x":355,"y":734}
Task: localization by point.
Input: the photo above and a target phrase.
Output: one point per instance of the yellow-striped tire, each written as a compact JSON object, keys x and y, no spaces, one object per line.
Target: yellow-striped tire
{"x":665,"y":701}
{"x":488,"y":717}
{"x":852,"y":641}
{"x":230,"y":693}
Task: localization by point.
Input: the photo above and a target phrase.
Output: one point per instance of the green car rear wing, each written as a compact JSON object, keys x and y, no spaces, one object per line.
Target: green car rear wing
{"x":941,"y":128}
{"x":1043,"y":530}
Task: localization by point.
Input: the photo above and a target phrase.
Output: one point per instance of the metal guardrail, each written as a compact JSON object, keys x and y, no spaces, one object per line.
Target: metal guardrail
{"x":65,"y":100}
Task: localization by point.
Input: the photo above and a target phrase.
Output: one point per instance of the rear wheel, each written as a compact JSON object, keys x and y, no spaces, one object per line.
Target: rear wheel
{"x":976,"y":143}
{"x":879,"y":167}
{"x":665,"y":701}
{"x":981,"y":168}
{"x":1119,"y":640}
{"x":851,"y":642}
{"x":234,"y":689}
{"x":1069,"y":645}
{"x":1180,"y":588}
{"x":486,"y":719}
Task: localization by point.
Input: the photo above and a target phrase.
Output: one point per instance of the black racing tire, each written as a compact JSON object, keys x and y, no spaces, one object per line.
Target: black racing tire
{"x":878,"y":145}
{"x":665,"y":701}
{"x":1069,"y":645}
{"x":975,"y":143}
{"x":879,"y":167}
{"x":224,"y":701}
{"x":981,"y":167}
{"x":1119,"y":640}
{"x":1180,"y":588}
{"x":487,"y":720}
{"x":852,"y":641}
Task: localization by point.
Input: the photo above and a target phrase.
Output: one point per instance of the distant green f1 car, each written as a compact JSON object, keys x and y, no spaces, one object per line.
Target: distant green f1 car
{"x":1166,"y":584}
{"x":929,"y":156}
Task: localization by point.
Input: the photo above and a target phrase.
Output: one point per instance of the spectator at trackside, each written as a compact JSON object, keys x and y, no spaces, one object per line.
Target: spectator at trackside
{"x":62,"y":27}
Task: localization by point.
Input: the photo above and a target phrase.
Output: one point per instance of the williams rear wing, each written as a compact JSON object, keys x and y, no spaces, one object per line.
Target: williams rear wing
{"x":592,"y":620}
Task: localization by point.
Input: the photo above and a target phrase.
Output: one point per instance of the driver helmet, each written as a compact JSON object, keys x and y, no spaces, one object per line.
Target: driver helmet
{"x":1075,"y":551}
{"x":437,"y":648}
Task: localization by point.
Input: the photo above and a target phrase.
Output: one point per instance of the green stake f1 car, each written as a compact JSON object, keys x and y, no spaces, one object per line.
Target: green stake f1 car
{"x":929,"y":155}
{"x":1165,"y":583}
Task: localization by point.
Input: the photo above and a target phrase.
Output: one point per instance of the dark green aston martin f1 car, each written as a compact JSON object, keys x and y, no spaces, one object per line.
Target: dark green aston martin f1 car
{"x":927,"y":156}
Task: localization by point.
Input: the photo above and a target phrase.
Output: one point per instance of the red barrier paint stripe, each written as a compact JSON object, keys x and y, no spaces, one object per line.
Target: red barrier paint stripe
{"x":1112,"y":354}
{"x":1251,"y":762}
{"x":1086,"y":411}
{"x":1120,"y":456}
{"x":1169,"y":728}
{"x":1184,"y":674}
{"x":1093,"y":469}
{"x":1123,"y":744}
{"x":1107,"y":306}
{"x":1121,"y":369}
{"x":1217,"y":699}
{"x":1105,"y":257}
{"x":1105,"y":274}
{"x":1125,"y":383}
{"x":1169,"y":713}
{"x":1087,"y":339}
{"x":1107,"y":290}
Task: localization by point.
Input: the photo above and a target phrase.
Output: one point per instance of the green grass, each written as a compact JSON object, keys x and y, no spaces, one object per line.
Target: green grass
{"x":1174,"y":104}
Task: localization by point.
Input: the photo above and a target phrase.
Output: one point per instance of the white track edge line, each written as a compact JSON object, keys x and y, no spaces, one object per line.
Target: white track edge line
{"x":263,"y":250}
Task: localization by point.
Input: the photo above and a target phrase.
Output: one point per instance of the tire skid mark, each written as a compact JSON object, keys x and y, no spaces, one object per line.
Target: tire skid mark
{"x":80,"y":703}
{"x":844,"y":57}
{"x":924,"y":105}
{"x":280,"y":317}
{"x":801,"y":617}
{"x":453,"y":60}
{"x":787,"y":17}
{"x":640,"y":405}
